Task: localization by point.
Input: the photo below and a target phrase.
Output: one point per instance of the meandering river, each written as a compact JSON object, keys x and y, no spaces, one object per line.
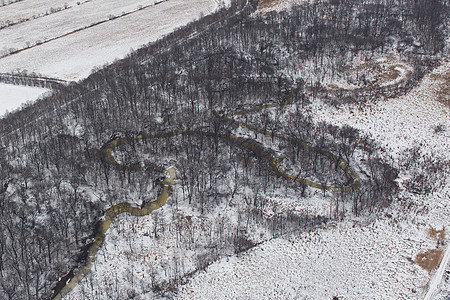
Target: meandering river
{"x":68,"y":283}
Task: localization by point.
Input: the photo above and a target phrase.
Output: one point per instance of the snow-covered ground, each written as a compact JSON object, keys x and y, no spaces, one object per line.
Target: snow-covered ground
{"x":401,"y":123}
{"x":279,"y":5}
{"x":440,"y":282}
{"x":72,"y":57}
{"x":353,"y":260}
{"x":57,"y":24}
{"x":13,"y":96}
{"x":23,"y":10}
{"x":367,"y":258}
{"x":349,"y":261}
{"x":370,"y":257}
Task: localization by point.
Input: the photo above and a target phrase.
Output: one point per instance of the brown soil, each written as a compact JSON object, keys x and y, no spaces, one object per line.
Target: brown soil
{"x":332,"y":86}
{"x":267,"y":3}
{"x":443,"y":94}
{"x":437,"y":235}
{"x":390,"y":74}
{"x":429,"y":260}
{"x":381,"y":72}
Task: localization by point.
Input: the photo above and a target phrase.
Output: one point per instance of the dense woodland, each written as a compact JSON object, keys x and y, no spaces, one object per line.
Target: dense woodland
{"x":55,"y":183}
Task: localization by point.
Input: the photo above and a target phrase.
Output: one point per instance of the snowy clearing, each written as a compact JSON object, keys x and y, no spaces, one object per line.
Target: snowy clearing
{"x":348,"y":261}
{"x":401,"y":123}
{"x":73,"y":56}
{"x":13,"y":96}
{"x":280,"y":5}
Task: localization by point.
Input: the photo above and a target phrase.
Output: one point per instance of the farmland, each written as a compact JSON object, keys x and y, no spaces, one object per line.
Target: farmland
{"x":66,"y":40}
{"x":69,"y":43}
{"x":13,"y":95}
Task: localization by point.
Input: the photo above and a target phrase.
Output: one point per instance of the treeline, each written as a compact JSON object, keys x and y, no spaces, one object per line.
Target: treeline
{"x":8,"y":2}
{"x":32,"y":80}
{"x":55,"y":183}
{"x":9,"y":23}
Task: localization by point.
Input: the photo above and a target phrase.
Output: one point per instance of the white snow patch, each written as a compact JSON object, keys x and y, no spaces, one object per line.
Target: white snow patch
{"x":401,"y":123}
{"x":13,"y":96}
{"x":280,"y":5}
{"x":346,"y":260}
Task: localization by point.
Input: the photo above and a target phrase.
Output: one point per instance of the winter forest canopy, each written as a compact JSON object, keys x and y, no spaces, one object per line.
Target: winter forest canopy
{"x":221,"y":100}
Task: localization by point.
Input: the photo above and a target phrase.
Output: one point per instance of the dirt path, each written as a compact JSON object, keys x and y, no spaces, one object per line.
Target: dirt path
{"x":433,"y":289}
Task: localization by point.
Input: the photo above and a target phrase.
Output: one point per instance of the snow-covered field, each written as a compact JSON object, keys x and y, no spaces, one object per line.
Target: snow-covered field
{"x":347,"y":261}
{"x":22,"y":10}
{"x":73,"y":56}
{"x":28,"y":33}
{"x":12,"y":96}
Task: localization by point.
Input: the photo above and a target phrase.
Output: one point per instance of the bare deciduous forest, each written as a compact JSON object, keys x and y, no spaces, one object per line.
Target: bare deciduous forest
{"x":56,"y":181}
